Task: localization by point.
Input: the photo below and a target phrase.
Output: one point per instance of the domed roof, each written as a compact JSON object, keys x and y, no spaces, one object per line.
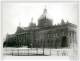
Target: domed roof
{"x":32,"y":24}
{"x":44,"y":20}
{"x":44,"y":14}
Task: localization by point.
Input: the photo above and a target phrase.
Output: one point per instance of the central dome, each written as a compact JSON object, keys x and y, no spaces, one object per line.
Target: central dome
{"x":43,"y":21}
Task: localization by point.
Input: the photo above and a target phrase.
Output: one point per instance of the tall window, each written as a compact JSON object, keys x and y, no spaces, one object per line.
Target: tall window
{"x":64,"y":42}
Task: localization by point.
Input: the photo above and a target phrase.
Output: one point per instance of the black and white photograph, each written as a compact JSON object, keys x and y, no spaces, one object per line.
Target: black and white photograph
{"x":39,"y":28}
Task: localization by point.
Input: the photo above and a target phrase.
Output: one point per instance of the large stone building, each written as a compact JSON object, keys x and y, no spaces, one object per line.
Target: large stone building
{"x":44,"y":35}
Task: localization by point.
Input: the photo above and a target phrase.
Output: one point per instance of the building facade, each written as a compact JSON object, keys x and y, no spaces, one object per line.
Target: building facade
{"x":44,"y":35}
